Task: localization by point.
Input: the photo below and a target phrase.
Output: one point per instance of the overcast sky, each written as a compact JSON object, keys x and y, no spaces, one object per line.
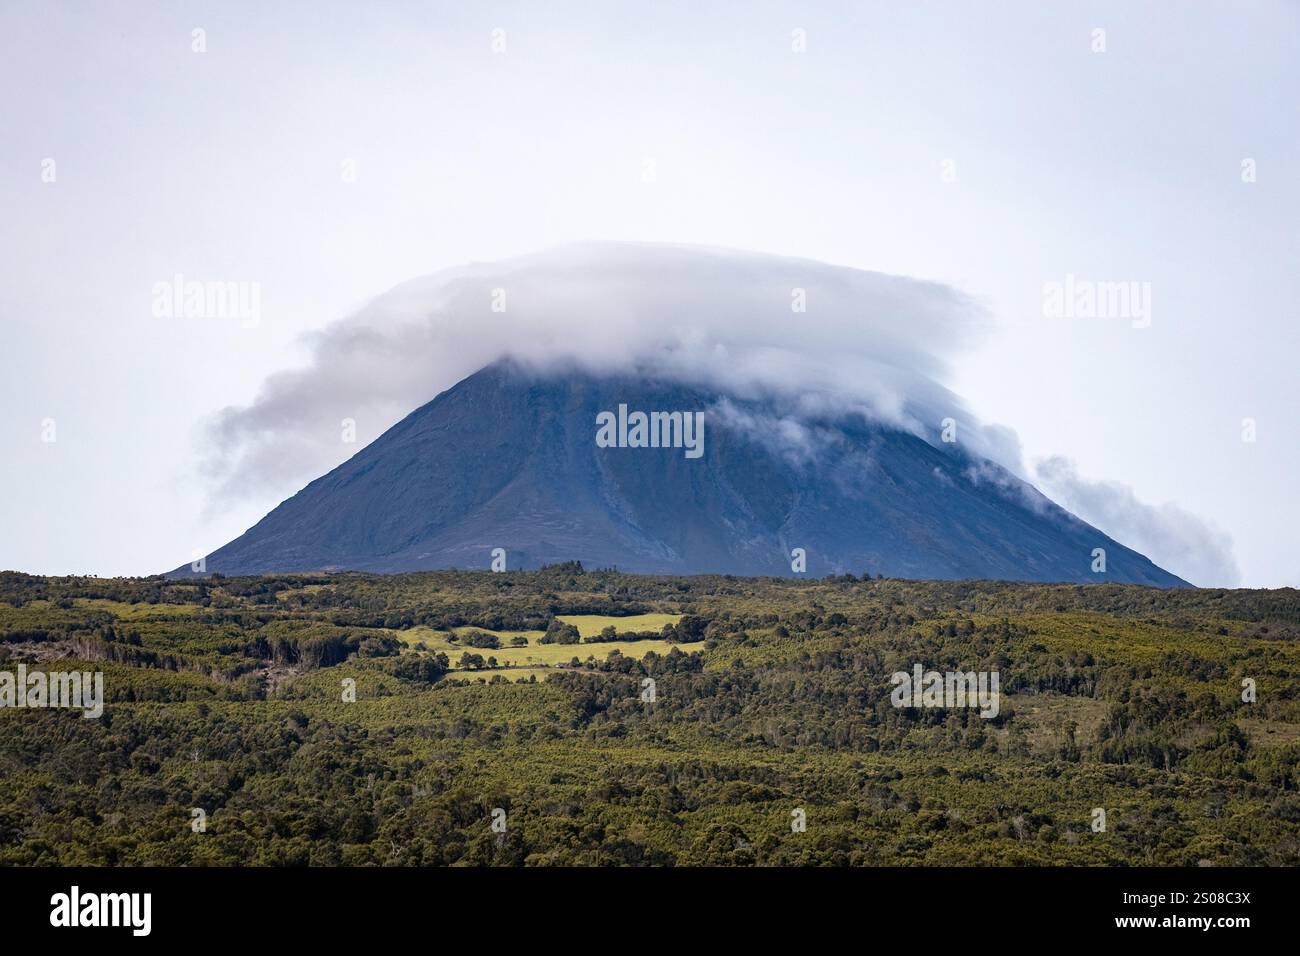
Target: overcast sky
{"x":328,"y":152}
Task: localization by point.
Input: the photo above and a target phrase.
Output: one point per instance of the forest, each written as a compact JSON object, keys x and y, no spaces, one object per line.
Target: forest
{"x":587,"y":717}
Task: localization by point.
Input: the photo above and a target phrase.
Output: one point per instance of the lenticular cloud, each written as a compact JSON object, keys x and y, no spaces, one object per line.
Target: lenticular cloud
{"x":825,"y":339}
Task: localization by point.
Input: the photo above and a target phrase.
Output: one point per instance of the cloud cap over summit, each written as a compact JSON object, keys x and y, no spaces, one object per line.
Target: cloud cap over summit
{"x":804,"y":338}
{"x":748,"y":323}
{"x":508,"y":461}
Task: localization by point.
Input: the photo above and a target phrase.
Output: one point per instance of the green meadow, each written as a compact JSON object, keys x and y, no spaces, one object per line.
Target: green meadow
{"x":589,"y":625}
{"x":536,"y":655}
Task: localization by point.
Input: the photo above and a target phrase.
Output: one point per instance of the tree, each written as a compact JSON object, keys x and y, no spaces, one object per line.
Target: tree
{"x":557,"y":632}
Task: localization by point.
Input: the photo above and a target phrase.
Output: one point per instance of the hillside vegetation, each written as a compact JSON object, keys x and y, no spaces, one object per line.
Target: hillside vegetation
{"x":771,"y":703}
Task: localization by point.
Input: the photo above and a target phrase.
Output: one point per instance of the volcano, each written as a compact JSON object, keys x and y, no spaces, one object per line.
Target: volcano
{"x":544,"y":467}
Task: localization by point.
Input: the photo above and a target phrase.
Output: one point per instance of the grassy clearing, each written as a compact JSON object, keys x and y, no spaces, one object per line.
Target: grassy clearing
{"x":1270,"y":733}
{"x":537,"y":655}
{"x":533,"y":656}
{"x":1046,"y":719}
{"x":589,"y":625}
{"x":124,"y":611}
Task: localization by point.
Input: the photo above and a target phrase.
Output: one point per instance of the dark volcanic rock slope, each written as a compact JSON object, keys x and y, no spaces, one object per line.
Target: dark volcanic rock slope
{"x":509,"y":460}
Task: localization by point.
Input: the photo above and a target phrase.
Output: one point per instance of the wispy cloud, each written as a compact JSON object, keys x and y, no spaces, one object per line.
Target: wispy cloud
{"x":1172,"y":537}
{"x":865,"y":342}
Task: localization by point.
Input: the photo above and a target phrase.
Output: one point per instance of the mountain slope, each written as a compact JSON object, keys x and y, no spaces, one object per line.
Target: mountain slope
{"x":507,"y":459}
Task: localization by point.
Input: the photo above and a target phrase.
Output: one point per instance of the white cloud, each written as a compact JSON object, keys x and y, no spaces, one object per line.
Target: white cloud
{"x":867,"y":342}
{"x":1172,"y":537}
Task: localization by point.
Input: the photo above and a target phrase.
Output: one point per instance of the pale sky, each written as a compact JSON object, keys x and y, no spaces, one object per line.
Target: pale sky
{"x":989,"y":146}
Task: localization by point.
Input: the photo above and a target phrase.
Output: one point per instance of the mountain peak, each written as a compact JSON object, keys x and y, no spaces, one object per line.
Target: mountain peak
{"x":651,"y":475}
